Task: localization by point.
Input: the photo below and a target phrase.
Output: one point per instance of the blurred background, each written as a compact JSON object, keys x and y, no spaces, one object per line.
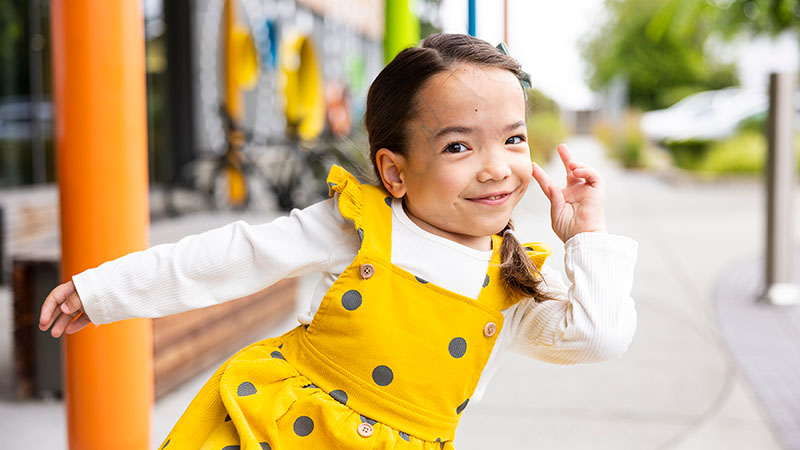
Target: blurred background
{"x":249,"y":103}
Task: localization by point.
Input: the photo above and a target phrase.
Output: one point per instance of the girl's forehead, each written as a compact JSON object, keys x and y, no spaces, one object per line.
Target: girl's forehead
{"x":469,"y":93}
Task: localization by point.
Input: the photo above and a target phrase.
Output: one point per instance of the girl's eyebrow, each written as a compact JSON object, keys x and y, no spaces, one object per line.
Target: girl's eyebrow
{"x":452,"y":130}
{"x":467,"y":130}
{"x":514,"y":126}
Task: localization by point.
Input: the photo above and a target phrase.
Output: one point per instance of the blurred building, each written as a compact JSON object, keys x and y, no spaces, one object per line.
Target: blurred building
{"x":185,"y":74}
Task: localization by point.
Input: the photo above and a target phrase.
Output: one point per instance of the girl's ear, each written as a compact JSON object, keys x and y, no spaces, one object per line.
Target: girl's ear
{"x":390,"y":167}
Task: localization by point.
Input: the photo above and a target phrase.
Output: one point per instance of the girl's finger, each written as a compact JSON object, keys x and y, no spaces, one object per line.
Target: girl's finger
{"x":60,"y":325}
{"x":543,"y":179}
{"x":72,"y":304}
{"x":566,"y":157}
{"x":556,"y":200}
{"x":77,"y":324}
{"x":591,"y":176}
{"x":51,"y":308}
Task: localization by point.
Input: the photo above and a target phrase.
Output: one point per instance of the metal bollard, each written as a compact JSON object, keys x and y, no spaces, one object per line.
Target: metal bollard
{"x":780,"y":289}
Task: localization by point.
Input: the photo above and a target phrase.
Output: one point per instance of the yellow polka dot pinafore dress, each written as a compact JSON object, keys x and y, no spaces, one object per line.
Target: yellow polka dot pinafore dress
{"x":389,"y":361}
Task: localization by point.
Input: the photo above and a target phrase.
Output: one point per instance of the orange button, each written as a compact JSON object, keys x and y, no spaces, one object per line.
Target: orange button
{"x":366,"y":271}
{"x":489,"y":329}
{"x":365,"y":429}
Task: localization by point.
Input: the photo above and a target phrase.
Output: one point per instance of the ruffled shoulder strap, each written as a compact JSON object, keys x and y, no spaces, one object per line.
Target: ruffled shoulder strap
{"x":367,"y":206}
{"x":495,"y":291}
{"x":349,"y":189}
{"x":538,"y":252}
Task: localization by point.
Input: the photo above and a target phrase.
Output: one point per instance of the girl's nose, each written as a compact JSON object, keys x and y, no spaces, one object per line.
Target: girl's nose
{"x":495,"y":167}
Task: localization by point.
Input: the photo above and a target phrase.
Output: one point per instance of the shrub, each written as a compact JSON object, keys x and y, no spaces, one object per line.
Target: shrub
{"x":688,"y":154}
{"x":627,"y":144}
{"x":744,"y":153}
{"x":545,"y":128}
{"x":545,"y":131}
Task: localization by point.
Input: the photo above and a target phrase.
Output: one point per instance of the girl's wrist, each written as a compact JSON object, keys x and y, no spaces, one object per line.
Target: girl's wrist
{"x":599,"y":229}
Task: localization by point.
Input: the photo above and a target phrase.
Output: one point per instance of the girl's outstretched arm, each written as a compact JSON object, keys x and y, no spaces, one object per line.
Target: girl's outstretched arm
{"x":578,"y":207}
{"x":201,"y":270}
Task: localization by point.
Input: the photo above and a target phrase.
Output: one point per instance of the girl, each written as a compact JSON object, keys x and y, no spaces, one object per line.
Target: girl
{"x":424,"y":282}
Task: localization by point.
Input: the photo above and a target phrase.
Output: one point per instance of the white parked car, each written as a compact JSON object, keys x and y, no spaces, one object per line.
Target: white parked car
{"x":708,"y":115}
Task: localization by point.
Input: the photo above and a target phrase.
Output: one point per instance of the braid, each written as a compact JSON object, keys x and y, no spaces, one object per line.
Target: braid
{"x":520,"y":273}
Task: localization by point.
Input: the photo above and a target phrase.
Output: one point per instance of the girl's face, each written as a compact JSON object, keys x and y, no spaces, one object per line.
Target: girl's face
{"x":468,"y":162}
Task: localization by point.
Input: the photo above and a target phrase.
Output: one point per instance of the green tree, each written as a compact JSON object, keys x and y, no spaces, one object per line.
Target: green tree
{"x":769,"y":17}
{"x":659,"y":47}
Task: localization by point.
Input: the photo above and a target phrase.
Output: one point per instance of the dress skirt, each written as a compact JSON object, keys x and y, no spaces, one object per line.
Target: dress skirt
{"x":257,"y":400}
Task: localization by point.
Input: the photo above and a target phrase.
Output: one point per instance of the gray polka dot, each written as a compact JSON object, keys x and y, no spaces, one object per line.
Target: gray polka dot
{"x":438,"y":440}
{"x":462,"y":406}
{"x":351,"y":300}
{"x":404,"y":435}
{"x":245,"y":389}
{"x":331,"y":185}
{"x":339,"y":395}
{"x":264,"y":446}
{"x":382,"y":376}
{"x":388,"y":201}
{"x":457,"y":347}
{"x":365,"y":419}
{"x":421,"y":280}
{"x":165,"y":444}
{"x":360,"y":235}
{"x":441,"y":445}
{"x":277,"y":354}
{"x":280,"y":346}
{"x":231,"y":447}
{"x":310,"y":386}
{"x":529,"y":249}
{"x":303,"y":426}
{"x":486,"y":280}
{"x":227,"y":417}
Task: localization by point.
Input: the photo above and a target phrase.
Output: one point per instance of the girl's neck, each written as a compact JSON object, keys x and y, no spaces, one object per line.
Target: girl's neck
{"x":481,"y":243}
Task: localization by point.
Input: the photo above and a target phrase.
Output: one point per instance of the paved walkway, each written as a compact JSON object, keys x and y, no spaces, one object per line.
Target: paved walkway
{"x":678,"y":386}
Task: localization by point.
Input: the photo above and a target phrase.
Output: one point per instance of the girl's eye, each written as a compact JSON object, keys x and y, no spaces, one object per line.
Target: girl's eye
{"x":515,"y":140}
{"x":456,"y":147}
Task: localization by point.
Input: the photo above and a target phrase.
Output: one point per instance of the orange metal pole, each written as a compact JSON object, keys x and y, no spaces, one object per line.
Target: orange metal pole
{"x":99,"y":82}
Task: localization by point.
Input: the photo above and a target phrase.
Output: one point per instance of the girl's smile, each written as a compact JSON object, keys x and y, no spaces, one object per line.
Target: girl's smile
{"x":468,"y":162}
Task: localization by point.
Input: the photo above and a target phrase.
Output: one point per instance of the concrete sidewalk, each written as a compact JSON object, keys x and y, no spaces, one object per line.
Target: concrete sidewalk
{"x":676,"y":388}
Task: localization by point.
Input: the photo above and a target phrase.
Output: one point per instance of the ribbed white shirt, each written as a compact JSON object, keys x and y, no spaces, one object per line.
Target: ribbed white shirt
{"x":591,"y":317}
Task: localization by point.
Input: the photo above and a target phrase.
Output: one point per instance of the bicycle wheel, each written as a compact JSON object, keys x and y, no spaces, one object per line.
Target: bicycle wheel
{"x":287,"y":176}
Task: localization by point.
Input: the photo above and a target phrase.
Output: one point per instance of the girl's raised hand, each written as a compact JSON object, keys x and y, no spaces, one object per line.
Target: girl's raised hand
{"x":64,"y":307}
{"x":578,"y":207}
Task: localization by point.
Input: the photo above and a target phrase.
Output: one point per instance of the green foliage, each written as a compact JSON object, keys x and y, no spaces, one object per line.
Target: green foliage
{"x":538,"y":102}
{"x":741,"y":154}
{"x":689,"y":154}
{"x":758,"y":16}
{"x":545,"y":131}
{"x":659,"y":48}
{"x":626,"y":144}
{"x":545,"y":128}
{"x":756,"y":123}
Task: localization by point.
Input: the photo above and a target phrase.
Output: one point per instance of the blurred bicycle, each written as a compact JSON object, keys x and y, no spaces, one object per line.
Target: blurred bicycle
{"x":268,"y":174}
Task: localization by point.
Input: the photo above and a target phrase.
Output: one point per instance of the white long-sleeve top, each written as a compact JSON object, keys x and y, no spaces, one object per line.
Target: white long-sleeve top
{"x":590,"y":318}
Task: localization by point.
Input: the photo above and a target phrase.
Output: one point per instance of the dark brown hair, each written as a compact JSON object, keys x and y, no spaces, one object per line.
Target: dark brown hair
{"x":391,"y":105}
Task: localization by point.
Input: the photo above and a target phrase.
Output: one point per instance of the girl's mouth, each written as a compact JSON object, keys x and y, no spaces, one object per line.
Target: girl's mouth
{"x":492,"y":199}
